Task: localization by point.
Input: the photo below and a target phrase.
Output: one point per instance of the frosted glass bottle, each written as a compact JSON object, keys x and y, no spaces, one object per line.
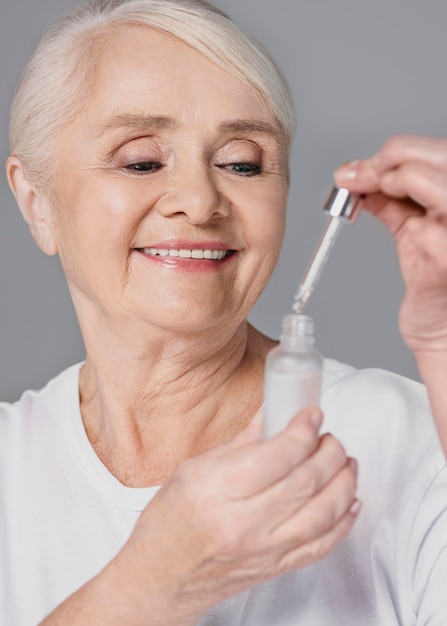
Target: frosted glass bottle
{"x":293,"y":374}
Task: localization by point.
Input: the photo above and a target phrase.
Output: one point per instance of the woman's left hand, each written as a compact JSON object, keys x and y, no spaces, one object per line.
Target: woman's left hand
{"x":405,"y":187}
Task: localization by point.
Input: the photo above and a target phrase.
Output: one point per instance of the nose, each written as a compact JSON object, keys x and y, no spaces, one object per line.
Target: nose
{"x":194,"y":193}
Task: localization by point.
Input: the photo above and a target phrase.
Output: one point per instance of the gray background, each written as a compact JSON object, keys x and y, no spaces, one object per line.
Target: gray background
{"x":360,"y":72}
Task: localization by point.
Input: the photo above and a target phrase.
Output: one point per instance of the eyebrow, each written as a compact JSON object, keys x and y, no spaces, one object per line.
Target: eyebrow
{"x":159,"y":122}
{"x":138,"y":122}
{"x":250,"y":126}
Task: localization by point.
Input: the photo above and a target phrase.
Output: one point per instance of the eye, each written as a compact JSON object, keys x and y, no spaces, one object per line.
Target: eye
{"x":243,"y":169}
{"x":144,"y":166}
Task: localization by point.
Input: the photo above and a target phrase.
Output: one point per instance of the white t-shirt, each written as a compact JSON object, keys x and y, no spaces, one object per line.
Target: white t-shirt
{"x":63,"y":516}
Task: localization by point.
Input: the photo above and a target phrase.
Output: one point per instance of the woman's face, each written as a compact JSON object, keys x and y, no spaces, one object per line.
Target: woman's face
{"x":169,"y":204}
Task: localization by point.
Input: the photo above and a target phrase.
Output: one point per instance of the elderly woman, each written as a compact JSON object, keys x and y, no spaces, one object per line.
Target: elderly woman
{"x":149,"y":144}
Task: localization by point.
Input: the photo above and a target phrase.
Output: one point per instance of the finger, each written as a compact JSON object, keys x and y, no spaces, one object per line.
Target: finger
{"x":359,"y":177}
{"x":363,"y":176}
{"x":393,"y":214}
{"x":250,"y":469}
{"x":283,"y":499}
{"x":424,"y":184}
{"x":321,"y":547}
{"x":322,"y":512}
{"x":411,"y":148}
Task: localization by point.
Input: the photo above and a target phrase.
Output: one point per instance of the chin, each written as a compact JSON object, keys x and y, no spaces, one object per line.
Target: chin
{"x":187,"y":319}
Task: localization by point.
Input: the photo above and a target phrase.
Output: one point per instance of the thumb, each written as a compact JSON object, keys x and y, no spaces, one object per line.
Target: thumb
{"x":311,"y":415}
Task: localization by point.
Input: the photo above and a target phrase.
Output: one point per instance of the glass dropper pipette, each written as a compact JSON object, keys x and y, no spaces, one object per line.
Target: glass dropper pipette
{"x":342,"y":206}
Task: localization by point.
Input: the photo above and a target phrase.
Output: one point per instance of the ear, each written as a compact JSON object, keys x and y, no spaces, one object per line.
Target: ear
{"x":33,"y":205}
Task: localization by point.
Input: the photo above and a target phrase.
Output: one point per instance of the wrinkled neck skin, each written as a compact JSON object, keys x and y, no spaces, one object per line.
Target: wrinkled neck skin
{"x":150,"y":401}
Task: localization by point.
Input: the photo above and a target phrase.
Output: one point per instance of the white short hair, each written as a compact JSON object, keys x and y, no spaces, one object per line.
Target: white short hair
{"x":56,"y":82}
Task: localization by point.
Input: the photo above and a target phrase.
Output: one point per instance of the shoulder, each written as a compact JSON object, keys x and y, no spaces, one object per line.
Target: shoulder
{"x":36,"y":408}
{"x":384,"y":420}
{"x":374,"y":406}
{"x":375,"y":390}
{"x":340,"y":377}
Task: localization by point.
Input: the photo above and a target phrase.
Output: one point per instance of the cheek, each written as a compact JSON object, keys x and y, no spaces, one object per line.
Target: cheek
{"x":264,"y":218}
{"x":101,"y":214}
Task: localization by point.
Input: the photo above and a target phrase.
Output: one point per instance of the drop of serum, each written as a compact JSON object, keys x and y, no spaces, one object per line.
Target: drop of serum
{"x":293,"y":374}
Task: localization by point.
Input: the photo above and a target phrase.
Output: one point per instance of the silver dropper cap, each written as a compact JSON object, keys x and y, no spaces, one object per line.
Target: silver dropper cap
{"x":342,"y":203}
{"x":341,"y":206}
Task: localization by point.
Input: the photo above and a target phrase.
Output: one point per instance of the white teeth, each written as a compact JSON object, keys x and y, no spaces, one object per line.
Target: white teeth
{"x":217,"y":255}
{"x":185,"y":254}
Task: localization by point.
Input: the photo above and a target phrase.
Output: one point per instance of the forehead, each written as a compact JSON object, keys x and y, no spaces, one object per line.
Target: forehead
{"x":140,"y":69}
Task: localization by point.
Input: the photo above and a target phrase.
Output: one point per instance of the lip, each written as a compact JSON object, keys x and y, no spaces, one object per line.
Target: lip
{"x":188,"y":265}
{"x":188,"y":245}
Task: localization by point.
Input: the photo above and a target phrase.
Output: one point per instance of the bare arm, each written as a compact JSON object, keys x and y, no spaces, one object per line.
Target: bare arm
{"x":113,"y":598}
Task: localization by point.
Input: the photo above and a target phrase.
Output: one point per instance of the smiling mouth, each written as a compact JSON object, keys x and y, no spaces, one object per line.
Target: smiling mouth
{"x":186,"y":253}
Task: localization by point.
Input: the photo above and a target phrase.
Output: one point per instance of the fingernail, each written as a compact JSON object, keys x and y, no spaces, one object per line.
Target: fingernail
{"x":347,"y":171}
{"x":316,"y":418}
{"x":355,"y":507}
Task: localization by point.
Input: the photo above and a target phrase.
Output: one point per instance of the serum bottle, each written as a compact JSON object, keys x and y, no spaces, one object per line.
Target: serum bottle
{"x":293,"y":374}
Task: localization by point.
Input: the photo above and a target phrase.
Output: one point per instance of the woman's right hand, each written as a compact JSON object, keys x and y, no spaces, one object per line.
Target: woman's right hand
{"x":236,"y":516}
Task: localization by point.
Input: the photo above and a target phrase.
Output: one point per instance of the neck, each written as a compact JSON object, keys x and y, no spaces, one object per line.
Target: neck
{"x":169,"y":398}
